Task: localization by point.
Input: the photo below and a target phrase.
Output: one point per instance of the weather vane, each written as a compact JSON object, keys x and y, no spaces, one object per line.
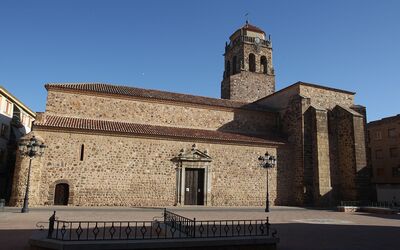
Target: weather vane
{"x":247,"y":17}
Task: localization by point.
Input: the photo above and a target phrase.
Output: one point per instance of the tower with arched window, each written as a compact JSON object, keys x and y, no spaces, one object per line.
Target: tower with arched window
{"x":249,"y":73}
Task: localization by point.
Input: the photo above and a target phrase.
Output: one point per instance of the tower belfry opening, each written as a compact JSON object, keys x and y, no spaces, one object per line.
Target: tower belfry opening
{"x":249,"y":73}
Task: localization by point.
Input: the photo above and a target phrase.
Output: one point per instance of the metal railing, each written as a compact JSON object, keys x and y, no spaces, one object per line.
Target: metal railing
{"x":247,"y":39}
{"x":382,"y":204}
{"x":174,"y":226}
{"x":232,"y":228}
{"x":184,"y":225}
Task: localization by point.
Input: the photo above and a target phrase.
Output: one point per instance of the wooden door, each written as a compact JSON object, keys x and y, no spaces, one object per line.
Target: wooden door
{"x":61,"y":194}
{"x":194,"y":186}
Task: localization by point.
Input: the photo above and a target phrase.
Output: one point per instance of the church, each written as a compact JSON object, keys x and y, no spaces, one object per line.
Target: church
{"x":111,"y":145}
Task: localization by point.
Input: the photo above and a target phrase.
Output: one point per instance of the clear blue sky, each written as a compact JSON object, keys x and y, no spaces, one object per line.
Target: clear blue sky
{"x":178,"y":45}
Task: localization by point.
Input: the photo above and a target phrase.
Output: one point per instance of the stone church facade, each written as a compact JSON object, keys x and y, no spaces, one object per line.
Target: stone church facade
{"x":119,"y":145}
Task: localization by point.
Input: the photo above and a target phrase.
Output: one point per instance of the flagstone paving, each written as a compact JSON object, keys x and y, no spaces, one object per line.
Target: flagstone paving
{"x":298,"y":228}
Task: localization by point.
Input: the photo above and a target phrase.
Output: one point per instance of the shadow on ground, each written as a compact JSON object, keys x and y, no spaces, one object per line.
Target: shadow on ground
{"x":15,"y":239}
{"x":383,"y":216}
{"x":299,"y":236}
{"x":322,"y":236}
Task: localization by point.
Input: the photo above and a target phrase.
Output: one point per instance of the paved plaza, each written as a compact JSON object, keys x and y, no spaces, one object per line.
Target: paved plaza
{"x":298,"y":228}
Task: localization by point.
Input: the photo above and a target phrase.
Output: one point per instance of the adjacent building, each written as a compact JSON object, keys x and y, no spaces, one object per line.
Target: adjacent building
{"x":384,"y":157}
{"x":121,"y":145}
{"x":15,"y":121}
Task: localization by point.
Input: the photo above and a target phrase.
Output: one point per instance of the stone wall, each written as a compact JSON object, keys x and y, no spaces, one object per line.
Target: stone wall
{"x":292,"y":124}
{"x":326,"y":147}
{"x":345,"y":153}
{"x":363,"y":176}
{"x":325,"y":98}
{"x":248,"y":86}
{"x":281,"y":99}
{"x":158,"y":113}
{"x":131,"y":171}
{"x":316,"y":157}
{"x":259,"y":52}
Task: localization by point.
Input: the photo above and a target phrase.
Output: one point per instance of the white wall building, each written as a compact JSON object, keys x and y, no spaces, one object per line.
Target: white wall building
{"x":15,"y":121}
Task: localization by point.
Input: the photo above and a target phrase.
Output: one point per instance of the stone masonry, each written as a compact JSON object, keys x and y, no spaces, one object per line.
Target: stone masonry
{"x":128,"y":171}
{"x":328,"y":139}
{"x":246,"y":80}
{"x":119,"y":145}
{"x":133,"y":109}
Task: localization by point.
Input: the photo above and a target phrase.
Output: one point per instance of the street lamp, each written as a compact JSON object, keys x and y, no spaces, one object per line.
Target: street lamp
{"x":30,"y":149}
{"x":267,"y":161}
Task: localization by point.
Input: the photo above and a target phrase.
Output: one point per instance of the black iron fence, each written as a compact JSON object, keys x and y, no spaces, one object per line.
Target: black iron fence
{"x":174,"y":226}
{"x":176,"y":222}
{"x":383,"y":204}
{"x":232,"y":228}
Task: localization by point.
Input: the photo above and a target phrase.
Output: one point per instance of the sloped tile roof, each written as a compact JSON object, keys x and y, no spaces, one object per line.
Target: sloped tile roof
{"x":58,"y":122}
{"x":152,"y":94}
{"x":251,"y":27}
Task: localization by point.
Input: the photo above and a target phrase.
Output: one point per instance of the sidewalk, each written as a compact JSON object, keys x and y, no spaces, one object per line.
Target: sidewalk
{"x":298,"y":228}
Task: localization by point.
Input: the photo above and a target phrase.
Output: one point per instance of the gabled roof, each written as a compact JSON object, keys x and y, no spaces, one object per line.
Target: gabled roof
{"x":116,"y":90}
{"x":307,"y":84}
{"x":324,"y":87}
{"x":89,"y":125}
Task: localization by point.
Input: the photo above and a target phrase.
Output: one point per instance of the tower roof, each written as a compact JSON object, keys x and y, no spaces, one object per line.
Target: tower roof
{"x":251,"y":27}
{"x":245,"y":29}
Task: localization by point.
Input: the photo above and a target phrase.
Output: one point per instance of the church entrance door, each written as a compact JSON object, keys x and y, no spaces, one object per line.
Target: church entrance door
{"x":61,"y":194}
{"x":194,"y":186}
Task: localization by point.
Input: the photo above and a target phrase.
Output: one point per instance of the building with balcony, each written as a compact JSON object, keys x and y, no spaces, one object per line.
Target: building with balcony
{"x":384,"y":157}
{"x":15,"y":121}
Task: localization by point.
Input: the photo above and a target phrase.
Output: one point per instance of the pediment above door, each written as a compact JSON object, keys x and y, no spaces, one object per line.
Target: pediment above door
{"x":193,"y":154}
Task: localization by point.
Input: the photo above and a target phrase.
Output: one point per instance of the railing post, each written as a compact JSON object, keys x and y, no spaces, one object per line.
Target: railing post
{"x":267,"y":226}
{"x":51,"y":225}
{"x":194,"y":228}
{"x":165,"y":215}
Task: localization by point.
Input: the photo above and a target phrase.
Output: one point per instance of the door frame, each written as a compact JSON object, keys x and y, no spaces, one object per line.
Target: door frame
{"x":52,"y":189}
{"x":65,"y":192}
{"x":196,"y":193}
{"x":192,"y":158}
{"x":181,"y":183}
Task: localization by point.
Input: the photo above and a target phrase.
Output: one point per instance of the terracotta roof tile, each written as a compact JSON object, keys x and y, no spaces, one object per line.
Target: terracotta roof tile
{"x":152,"y":94}
{"x":248,"y":26}
{"x":58,"y":122}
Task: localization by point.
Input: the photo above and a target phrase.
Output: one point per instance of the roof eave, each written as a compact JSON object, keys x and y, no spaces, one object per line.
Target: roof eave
{"x":151,"y":136}
{"x":16,"y":100}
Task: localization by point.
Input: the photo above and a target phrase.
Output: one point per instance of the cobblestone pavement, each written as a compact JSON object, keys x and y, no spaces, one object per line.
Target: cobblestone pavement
{"x":298,"y":228}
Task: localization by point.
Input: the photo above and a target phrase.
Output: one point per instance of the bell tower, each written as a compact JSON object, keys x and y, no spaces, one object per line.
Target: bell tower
{"x":249,"y":74}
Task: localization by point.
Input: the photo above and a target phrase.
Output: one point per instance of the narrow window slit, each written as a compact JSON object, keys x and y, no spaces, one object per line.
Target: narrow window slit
{"x":82,"y":151}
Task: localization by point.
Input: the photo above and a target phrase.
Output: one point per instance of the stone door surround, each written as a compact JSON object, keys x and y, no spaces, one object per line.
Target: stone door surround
{"x":193,"y":158}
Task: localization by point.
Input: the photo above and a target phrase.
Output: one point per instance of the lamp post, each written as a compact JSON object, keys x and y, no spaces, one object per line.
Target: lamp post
{"x":267,"y":161}
{"x":30,"y":149}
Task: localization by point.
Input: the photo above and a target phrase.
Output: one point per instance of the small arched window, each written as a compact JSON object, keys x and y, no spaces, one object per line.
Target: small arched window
{"x":82,"y":152}
{"x":264,"y":65}
{"x":234,"y":65}
{"x":227,"y":68}
{"x":252,"y":62}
